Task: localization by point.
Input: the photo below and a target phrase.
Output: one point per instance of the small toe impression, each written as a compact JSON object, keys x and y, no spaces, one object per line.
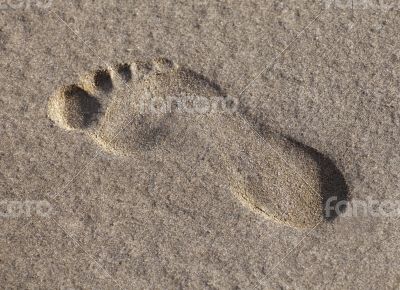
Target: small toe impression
{"x":73,"y":108}
{"x":102,"y":80}
{"x":124,"y":71}
{"x":142,"y":69}
{"x":163,"y":65}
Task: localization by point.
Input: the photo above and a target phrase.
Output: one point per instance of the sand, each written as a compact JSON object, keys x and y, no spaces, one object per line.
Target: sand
{"x":306,"y":107}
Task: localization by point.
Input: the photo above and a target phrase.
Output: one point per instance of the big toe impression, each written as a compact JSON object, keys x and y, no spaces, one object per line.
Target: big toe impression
{"x":73,"y":108}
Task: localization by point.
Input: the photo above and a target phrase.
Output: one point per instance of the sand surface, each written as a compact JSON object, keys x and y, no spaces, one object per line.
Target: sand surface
{"x":231,"y":201}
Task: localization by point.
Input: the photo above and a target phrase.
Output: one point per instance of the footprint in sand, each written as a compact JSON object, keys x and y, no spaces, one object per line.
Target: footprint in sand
{"x":135,"y":108}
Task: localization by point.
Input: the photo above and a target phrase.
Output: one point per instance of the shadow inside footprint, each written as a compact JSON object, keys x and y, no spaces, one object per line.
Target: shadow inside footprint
{"x":151,"y":133}
{"x":124,"y":71}
{"x":334,"y":189}
{"x":102,"y":80}
{"x":73,"y":108}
